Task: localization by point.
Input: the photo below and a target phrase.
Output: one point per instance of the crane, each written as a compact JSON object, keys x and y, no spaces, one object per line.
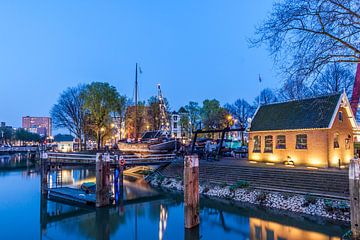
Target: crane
{"x":164,"y":120}
{"x":356,"y":91}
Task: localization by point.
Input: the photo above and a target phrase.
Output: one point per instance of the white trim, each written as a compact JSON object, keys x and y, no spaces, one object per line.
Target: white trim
{"x":335,"y":111}
{"x":349,"y":112}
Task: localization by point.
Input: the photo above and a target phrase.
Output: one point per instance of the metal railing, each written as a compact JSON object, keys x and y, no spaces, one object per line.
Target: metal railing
{"x":135,"y":159}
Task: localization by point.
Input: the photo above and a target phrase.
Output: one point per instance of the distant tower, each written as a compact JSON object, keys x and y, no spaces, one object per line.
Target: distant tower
{"x":164,"y":121}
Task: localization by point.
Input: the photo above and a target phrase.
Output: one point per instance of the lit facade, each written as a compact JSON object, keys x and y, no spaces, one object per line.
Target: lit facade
{"x":175,"y":125}
{"x":39,"y":125}
{"x":296,"y":134}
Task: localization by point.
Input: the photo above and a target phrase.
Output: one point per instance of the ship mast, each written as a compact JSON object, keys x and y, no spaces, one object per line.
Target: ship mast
{"x":136,"y":101}
{"x":164,"y":121}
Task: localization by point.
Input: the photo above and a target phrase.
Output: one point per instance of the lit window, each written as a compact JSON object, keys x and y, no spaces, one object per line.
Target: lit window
{"x":257,"y":144}
{"x":301,"y":141}
{"x":268,"y":144}
{"x":281,"y":142}
{"x":347,"y":142}
{"x":336,"y":140}
{"x":340,"y":116}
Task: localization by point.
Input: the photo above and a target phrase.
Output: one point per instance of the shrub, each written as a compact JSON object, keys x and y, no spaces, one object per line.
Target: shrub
{"x":261,"y":198}
{"x":239,"y":184}
{"x":343,"y":207}
{"x":309,"y":200}
{"x":161,"y":178}
{"x":223,"y":184}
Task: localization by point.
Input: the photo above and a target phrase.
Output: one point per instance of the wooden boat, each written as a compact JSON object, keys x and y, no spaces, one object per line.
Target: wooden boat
{"x":168,"y":146}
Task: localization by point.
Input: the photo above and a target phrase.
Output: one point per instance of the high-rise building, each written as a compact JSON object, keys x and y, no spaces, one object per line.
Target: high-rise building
{"x":39,"y":125}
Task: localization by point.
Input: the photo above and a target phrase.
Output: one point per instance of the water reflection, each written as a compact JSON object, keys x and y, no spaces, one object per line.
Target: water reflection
{"x":218,"y":221}
{"x":143,"y":214}
{"x":268,"y":230}
{"x":16,"y":161}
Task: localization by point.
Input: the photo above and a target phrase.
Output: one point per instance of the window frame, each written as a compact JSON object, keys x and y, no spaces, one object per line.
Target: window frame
{"x":267,"y":147}
{"x":280,"y":145}
{"x":336,"y":142}
{"x":301,"y":145}
{"x":340,"y":116}
{"x":257,"y":147}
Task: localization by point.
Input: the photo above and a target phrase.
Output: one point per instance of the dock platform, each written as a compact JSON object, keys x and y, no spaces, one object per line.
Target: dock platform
{"x":72,"y":195}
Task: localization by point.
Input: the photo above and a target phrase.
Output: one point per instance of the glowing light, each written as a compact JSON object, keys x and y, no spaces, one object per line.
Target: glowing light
{"x":268,"y":163}
{"x":273,"y":158}
{"x":312,"y":168}
{"x":253,"y":162}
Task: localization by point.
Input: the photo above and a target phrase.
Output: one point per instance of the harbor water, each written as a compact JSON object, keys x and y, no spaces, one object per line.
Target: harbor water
{"x":147,"y":213}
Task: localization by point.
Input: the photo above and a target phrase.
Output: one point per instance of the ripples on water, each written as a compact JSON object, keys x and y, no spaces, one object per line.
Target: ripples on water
{"x":149,"y":214}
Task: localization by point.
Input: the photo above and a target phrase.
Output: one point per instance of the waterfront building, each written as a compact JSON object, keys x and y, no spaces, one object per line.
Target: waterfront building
{"x":64,"y":142}
{"x":39,"y":125}
{"x":316,"y":132}
{"x":175,"y":125}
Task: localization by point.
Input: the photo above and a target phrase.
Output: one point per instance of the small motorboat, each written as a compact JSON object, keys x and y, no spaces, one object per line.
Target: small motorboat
{"x":88,"y":187}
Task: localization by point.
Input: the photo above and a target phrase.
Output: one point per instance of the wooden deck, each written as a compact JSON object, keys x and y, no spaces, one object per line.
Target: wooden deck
{"x":72,"y":195}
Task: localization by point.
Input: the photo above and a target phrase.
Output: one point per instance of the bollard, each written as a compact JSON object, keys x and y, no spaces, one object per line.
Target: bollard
{"x":44,"y":173}
{"x":354,"y":184}
{"x":191,"y":191}
{"x":102,"y":180}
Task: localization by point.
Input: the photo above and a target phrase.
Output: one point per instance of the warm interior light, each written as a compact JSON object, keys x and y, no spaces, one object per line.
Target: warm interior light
{"x":268,"y":163}
{"x":253,"y":162}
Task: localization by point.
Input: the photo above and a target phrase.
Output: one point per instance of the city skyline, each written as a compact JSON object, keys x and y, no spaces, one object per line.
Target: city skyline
{"x":59,"y":45}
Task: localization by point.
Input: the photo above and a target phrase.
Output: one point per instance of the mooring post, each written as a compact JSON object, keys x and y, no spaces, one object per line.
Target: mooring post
{"x":102,"y":180}
{"x":354,"y":184}
{"x":44,"y":173}
{"x":191,"y":191}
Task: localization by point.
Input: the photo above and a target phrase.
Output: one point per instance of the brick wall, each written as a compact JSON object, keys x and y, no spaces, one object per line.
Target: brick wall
{"x":320,"y":150}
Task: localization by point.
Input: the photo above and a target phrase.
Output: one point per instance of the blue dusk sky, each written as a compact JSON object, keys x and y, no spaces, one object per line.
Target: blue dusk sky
{"x":194,"y":49}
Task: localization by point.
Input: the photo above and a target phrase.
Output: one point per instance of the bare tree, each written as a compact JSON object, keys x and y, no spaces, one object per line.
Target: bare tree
{"x":241,"y":111}
{"x":294,"y":89}
{"x":266,"y":96}
{"x":304,"y":36}
{"x":120,"y":111}
{"x":335,"y":78}
{"x":69,"y":112}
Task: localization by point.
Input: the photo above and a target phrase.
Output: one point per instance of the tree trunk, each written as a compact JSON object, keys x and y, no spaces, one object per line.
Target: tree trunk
{"x":80,"y":142}
{"x":85,"y":139}
{"x":98,"y":140}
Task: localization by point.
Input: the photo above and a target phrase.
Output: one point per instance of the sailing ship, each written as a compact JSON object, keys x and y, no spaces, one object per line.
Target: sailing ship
{"x":155,"y":140}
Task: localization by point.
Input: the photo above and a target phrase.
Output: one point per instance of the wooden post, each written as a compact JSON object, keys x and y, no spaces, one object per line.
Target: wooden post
{"x":191,"y":191}
{"x":354,"y":184}
{"x":44,"y":173}
{"x":102,"y":180}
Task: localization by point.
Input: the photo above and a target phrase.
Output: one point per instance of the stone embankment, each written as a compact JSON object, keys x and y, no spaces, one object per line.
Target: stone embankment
{"x":241,"y":191}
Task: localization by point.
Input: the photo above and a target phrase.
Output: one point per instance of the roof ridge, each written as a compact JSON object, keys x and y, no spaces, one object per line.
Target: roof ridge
{"x":303,"y":99}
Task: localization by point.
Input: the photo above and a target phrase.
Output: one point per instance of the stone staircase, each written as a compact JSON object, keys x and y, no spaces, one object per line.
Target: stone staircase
{"x":325,"y":183}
